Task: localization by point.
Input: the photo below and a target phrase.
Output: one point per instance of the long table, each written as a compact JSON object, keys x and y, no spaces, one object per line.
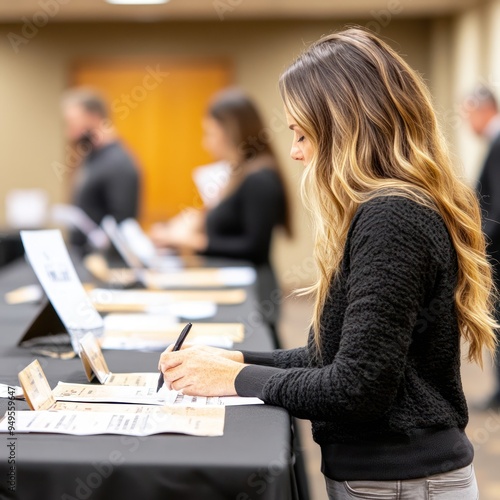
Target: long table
{"x":253,"y":460}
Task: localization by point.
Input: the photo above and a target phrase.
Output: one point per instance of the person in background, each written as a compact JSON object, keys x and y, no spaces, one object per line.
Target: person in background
{"x":481,"y":109}
{"x":403,"y":279}
{"x":251,"y":205}
{"x":107,"y":182}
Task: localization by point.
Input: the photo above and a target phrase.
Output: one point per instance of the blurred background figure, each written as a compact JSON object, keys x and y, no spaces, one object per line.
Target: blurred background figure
{"x":107,"y":180}
{"x":253,"y":202}
{"x":481,"y":109}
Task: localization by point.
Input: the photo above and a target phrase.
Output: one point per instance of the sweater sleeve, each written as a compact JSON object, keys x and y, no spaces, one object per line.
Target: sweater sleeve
{"x":390,"y":265}
{"x":261,"y":201}
{"x":251,"y":379}
{"x":280,"y":358}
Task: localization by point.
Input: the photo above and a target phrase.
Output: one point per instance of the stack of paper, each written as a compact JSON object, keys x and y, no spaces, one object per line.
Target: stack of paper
{"x":214,"y":334}
{"x":208,"y":422}
{"x":93,"y":393}
{"x":109,"y":300}
{"x":200,"y":278}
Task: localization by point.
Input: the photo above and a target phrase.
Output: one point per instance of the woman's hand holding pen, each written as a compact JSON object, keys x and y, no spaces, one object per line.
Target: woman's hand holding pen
{"x":201,"y":370}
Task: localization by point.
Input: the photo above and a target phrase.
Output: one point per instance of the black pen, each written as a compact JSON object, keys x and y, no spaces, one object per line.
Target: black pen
{"x":177,"y":346}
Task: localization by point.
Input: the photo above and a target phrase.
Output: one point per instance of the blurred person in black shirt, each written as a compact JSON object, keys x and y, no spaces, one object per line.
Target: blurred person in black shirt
{"x":481,"y":108}
{"x":107,"y":181}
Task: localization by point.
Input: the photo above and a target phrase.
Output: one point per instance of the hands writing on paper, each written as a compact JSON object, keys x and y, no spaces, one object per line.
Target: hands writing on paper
{"x":201,"y":370}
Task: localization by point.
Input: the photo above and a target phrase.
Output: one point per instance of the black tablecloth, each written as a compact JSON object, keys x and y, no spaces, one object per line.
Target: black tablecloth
{"x":251,"y":461}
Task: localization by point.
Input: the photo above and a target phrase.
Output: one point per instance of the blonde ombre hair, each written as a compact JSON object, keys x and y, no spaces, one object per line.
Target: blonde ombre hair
{"x":373,"y":131}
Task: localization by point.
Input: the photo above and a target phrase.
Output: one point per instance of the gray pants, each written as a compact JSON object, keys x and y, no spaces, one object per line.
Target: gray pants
{"x":459,"y":484}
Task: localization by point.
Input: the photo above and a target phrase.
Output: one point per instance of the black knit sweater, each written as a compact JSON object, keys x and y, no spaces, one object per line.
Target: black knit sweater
{"x":386,"y":401}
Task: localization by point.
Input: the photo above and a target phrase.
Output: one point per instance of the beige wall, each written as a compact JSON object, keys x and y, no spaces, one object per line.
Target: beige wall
{"x":31,"y":82}
{"x":465,"y":51}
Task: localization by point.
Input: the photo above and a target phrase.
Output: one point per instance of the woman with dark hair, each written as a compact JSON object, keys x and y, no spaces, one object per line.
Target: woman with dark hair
{"x":403,"y":279}
{"x":251,"y":205}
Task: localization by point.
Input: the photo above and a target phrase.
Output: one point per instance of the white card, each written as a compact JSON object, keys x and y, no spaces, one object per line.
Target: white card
{"x":50,"y":260}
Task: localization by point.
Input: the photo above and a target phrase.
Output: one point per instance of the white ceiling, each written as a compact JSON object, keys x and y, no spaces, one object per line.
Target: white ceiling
{"x":99,"y":10}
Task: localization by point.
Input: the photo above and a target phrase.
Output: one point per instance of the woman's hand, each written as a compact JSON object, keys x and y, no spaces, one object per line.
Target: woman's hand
{"x":199,"y":372}
{"x":159,"y":234}
{"x":179,"y":235}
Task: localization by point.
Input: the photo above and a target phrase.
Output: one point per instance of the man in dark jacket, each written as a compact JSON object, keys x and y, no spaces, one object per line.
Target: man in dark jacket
{"x":482,"y":112}
{"x":107,"y":180}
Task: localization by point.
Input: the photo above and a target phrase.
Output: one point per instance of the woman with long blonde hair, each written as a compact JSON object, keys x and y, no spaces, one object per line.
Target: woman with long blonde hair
{"x":403,"y":278}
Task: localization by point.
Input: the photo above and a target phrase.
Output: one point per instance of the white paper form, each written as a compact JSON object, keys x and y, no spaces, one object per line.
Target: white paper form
{"x":93,"y":393}
{"x":210,"y":180}
{"x":204,"y":401}
{"x":50,"y":260}
{"x":162,"y":314}
{"x":159,"y":344}
{"x":200,"y":278}
{"x":112,"y":300}
{"x":110,"y":407}
{"x":176,"y":403}
{"x":94,"y":363}
{"x":215,"y":334}
{"x":130,"y":322}
{"x":85,"y":423}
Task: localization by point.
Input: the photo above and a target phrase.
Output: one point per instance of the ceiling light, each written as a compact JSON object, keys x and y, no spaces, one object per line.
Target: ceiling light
{"x":136,"y":2}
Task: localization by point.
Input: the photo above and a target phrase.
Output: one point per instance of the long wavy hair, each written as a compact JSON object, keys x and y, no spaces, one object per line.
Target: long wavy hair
{"x":373,"y":131}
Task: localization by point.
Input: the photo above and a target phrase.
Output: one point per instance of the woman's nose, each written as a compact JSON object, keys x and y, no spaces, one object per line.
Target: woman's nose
{"x":296,"y":153}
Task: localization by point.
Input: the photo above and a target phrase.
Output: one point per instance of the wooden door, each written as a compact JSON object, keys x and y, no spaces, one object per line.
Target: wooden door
{"x":157,"y":108}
